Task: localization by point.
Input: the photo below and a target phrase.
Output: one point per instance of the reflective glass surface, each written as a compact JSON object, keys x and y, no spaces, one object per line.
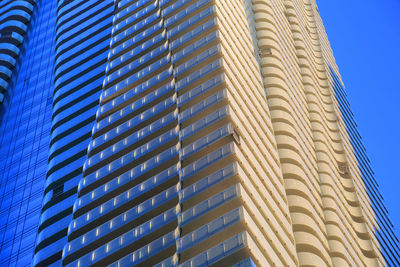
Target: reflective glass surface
{"x":24,"y":138}
{"x":387,"y":239}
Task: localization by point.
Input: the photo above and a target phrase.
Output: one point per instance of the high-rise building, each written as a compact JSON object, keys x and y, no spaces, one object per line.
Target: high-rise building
{"x":26,"y":78}
{"x":82,"y":35}
{"x":180,"y":132}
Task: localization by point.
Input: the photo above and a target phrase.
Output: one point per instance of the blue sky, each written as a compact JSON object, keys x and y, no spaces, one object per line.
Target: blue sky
{"x":365,"y":38}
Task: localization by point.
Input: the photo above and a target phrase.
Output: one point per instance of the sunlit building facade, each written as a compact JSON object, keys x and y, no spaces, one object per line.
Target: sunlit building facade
{"x":190,"y":133}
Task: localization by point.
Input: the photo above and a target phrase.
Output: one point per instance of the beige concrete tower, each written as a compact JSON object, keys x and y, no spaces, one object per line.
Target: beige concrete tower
{"x":220,"y":140}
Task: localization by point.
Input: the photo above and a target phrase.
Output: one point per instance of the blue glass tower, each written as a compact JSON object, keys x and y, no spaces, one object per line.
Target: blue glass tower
{"x":82,"y":35}
{"x":25,"y":123}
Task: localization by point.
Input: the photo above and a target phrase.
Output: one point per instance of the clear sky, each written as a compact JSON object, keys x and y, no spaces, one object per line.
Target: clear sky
{"x":365,"y":38}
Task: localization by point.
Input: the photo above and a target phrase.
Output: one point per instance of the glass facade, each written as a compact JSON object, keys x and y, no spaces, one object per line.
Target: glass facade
{"x":179,"y":132}
{"x":25,"y":136}
{"x":14,"y":17}
{"x":384,"y":232}
{"x":82,"y":35}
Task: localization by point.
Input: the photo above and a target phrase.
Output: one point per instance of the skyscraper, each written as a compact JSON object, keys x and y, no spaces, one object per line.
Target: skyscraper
{"x":27,"y":42}
{"x":83,"y":34}
{"x":183,"y":132}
